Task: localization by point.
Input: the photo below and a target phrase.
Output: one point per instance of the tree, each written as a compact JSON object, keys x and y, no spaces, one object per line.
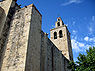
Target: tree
{"x":85,"y":62}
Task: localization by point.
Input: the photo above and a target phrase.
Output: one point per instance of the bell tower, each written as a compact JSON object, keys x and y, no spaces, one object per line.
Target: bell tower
{"x":60,"y":36}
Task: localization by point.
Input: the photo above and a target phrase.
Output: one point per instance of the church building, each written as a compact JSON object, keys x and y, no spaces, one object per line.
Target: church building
{"x":23,"y":44}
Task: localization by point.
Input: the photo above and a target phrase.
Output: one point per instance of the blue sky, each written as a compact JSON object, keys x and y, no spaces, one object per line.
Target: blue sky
{"x":78,"y":15}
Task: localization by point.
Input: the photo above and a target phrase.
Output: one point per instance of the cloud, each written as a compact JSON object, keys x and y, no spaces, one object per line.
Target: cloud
{"x":53,"y":26}
{"x":86,"y":38}
{"x":90,"y":29}
{"x":77,"y":46}
{"x":81,"y":44}
{"x":73,"y":22}
{"x":91,"y":25}
{"x":92,"y":39}
{"x":93,"y":18}
{"x":70,"y":2}
{"x":74,"y":31}
{"x":66,"y":24}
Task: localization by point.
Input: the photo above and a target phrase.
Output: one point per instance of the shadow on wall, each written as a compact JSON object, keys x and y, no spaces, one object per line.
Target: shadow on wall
{"x":2,"y":21}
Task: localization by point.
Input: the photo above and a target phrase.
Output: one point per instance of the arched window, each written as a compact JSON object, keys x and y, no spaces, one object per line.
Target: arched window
{"x":55,"y":35}
{"x":60,"y":34}
{"x":58,"y":24}
{"x":58,"y":19}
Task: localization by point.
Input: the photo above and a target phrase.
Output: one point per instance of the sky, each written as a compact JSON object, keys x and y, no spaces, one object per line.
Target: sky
{"x":78,"y":15}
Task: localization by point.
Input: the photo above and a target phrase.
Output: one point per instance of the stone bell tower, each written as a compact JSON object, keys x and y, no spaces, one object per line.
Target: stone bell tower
{"x":60,"y":36}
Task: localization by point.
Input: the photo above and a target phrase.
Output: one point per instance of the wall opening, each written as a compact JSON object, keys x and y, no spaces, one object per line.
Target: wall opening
{"x":58,"y":24}
{"x":55,"y":35}
{"x":58,"y":19}
{"x":60,"y":34}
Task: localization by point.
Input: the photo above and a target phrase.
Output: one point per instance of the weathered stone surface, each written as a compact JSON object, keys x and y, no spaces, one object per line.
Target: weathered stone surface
{"x":27,"y":48}
{"x":34,"y":42}
{"x":3,"y":39}
{"x":2,"y":19}
{"x":52,"y":58}
{"x":16,"y":46}
{"x":5,"y":5}
{"x":5,"y":29}
{"x":63,"y":43}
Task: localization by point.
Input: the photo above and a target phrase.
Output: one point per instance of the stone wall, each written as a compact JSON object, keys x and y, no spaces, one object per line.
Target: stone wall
{"x":5,"y":5}
{"x":2,"y":19}
{"x":34,"y":42}
{"x":60,"y":36}
{"x":46,"y":53}
{"x":69,"y":45}
{"x":57,"y":58}
{"x":26,"y":47}
{"x":3,"y":39}
{"x":21,"y":35}
{"x":61,"y":43}
{"x":5,"y":30}
{"x":52,"y":58}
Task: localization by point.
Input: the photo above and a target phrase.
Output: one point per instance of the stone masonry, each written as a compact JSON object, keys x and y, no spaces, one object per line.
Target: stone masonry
{"x":5,"y":6}
{"x":24,"y":46}
{"x":60,"y":36}
{"x":52,"y":58}
{"x":20,"y":39}
{"x":4,"y":34}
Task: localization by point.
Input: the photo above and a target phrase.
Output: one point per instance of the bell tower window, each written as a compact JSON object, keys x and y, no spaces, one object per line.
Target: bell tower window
{"x":58,"y":19}
{"x":58,"y":23}
{"x":55,"y":35}
{"x":60,"y":34}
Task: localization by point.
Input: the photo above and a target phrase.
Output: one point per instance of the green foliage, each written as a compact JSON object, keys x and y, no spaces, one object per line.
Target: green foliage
{"x":85,"y":62}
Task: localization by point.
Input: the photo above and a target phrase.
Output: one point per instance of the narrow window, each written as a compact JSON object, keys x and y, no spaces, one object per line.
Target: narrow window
{"x":58,"y":19}
{"x":55,"y":35}
{"x":58,"y":23}
{"x":60,"y":34}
